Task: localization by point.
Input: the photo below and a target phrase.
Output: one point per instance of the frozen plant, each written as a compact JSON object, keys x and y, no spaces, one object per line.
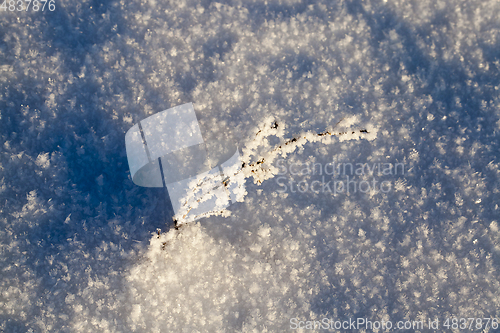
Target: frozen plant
{"x":262,"y":168}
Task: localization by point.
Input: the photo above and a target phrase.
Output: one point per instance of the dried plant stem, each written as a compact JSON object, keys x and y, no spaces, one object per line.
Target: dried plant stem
{"x":256,"y":169}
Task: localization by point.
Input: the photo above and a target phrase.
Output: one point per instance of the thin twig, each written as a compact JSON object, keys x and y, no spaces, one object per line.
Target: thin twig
{"x":252,"y":168}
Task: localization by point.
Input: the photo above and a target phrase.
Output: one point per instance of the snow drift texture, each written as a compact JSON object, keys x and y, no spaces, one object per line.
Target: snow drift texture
{"x":76,"y":244}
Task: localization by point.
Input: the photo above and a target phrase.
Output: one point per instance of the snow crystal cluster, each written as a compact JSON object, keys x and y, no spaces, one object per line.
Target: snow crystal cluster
{"x":79,"y":245}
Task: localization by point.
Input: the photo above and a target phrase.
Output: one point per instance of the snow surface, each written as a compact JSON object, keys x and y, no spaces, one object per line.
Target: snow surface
{"x":79,"y":246}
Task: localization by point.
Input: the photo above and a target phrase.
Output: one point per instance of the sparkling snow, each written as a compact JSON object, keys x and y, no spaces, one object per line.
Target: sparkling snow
{"x":79,"y":245}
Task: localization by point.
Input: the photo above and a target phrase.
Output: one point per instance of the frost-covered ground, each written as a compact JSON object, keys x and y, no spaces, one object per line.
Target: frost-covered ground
{"x":79,"y":249}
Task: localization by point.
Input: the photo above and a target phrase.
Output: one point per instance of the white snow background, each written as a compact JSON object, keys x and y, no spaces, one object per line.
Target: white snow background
{"x":78,"y":244}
